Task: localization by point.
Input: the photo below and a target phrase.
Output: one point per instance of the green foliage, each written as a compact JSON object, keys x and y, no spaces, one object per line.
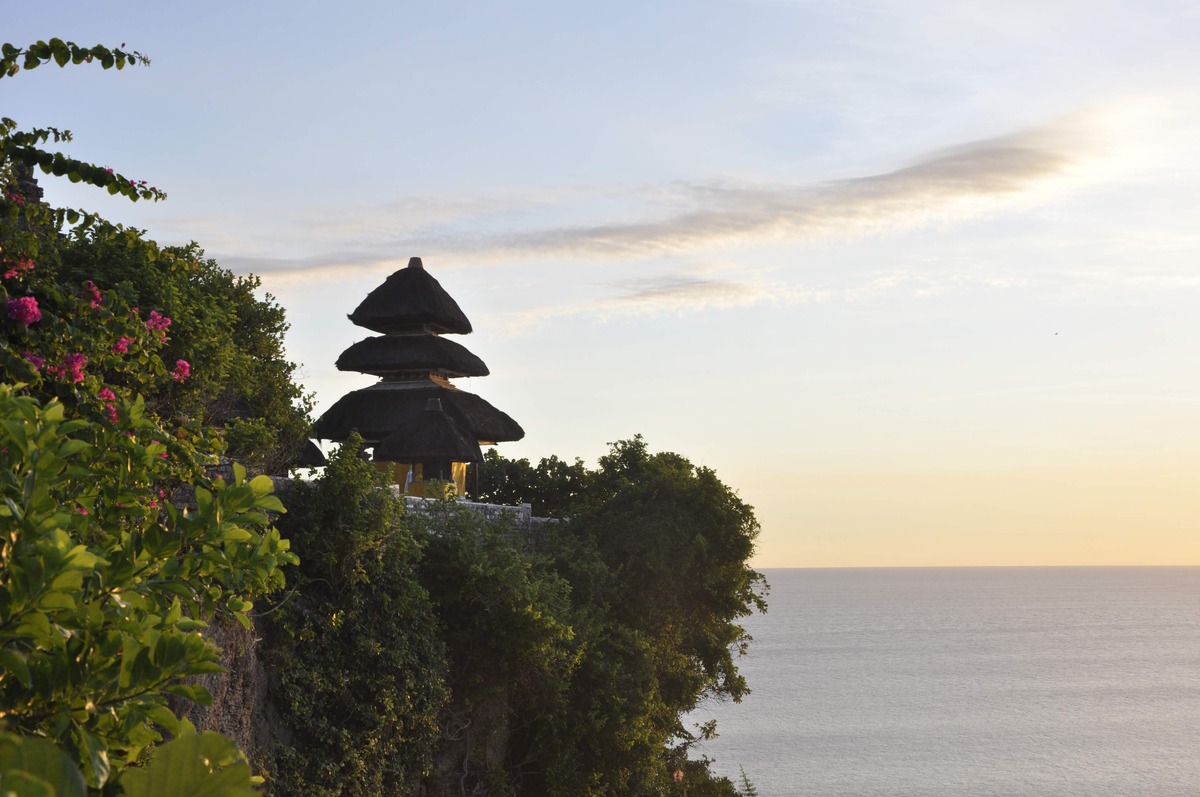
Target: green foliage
{"x":13,"y":59}
{"x":745,"y":787}
{"x":197,"y":765}
{"x":19,"y":148}
{"x":105,"y":579}
{"x":553,"y":486}
{"x":103,"y":587}
{"x":655,"y":553}
{"x":231,"y":339}
{"x":504,"y":615}
{"x":234,"y":341}
{"x":35,"y":767}
{"x":355,"y":653}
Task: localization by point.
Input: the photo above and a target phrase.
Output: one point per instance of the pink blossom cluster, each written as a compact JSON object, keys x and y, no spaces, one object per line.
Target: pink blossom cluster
{"x":109,"y":409}
{"x":36,"y":361}
{"x":183,"y":369}
{"x":13,"y":270}
{"x":25,"y":309}
{"x":97,"y":298}
{"x":16,"y":198}
{"x":122,"y":345}
{"x":72,"y":367}
{"x":159,"y":323}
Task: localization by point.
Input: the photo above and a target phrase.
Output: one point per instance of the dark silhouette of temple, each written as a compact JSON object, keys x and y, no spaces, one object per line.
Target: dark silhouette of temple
{"x":414,"y":419}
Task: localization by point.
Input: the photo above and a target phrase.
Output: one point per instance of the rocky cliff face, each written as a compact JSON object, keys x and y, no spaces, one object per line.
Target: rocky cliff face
{"x":241,"y":707}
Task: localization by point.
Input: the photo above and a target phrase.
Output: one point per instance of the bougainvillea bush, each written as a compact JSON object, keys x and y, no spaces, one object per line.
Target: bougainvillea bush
{"x":117,"y":544}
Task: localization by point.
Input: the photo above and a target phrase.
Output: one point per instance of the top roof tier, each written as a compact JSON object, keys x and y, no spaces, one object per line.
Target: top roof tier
{"x":411,"y":301}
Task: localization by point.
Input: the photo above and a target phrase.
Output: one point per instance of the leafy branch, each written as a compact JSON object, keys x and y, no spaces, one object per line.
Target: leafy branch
{"x":13,"y":59}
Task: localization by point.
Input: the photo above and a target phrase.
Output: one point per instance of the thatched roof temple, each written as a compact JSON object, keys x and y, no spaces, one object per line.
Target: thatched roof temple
{"x":414,"y":416}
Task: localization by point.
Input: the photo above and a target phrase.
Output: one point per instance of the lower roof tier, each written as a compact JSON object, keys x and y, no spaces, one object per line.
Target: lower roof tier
{"x":377,"y":411}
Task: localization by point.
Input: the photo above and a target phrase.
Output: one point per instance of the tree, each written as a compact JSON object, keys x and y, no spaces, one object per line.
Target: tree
{"x":355,"y":654}
{"x":553,"y":487}
{"x":505,"y":616}
{"x":655,"y":553}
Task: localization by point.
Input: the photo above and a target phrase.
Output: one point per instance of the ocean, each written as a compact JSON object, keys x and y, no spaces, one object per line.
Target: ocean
{"x":969,"y":681}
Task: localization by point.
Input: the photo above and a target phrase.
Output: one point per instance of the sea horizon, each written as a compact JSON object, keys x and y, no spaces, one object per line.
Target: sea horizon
{"x":949,"y":680}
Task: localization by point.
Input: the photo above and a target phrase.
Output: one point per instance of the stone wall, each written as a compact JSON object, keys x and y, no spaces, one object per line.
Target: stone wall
{"x":520,"y":518}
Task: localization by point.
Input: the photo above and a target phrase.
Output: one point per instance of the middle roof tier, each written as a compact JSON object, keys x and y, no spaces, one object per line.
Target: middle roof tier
{"x":391,"y":355}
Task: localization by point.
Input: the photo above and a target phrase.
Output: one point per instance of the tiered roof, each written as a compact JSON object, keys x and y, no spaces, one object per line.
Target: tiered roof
{"x":414,"y":413}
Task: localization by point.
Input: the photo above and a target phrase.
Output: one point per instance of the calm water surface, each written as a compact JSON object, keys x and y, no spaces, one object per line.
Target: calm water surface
{"x":973,"y":681}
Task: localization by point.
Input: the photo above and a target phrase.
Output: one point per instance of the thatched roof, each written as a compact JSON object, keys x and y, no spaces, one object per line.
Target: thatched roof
{"x":431,"y":435}
{"x":310,"y":456}
{"x":410,"y":301}
{"x":391,"y":354}
{"x":381,"y":409}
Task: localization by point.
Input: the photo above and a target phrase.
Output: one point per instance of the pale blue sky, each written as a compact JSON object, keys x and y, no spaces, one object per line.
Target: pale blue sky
{"x":919,"y":279}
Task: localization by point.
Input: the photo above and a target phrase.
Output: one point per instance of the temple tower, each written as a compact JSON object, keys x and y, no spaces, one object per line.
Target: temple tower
{"x":414,"y":419}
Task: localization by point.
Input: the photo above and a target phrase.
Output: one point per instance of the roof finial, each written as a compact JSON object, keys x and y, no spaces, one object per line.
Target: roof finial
{"x":415,"y":262}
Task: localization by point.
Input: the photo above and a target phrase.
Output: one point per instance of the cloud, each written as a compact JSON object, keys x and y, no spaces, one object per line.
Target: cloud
{"x":936,"y":185}
{"x":687,"y":218}
{"x":686,"y":289}
{"x":702,"y":288}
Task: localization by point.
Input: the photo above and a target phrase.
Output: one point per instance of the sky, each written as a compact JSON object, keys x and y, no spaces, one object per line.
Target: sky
{"x":918,"y":279}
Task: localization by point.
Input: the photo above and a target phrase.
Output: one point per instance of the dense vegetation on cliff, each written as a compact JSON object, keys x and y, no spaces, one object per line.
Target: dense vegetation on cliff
{"x":561,"y":662}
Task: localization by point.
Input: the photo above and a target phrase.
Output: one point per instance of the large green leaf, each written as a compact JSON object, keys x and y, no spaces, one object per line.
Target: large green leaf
{"x":30,"y":765}
{"x":192,"y":765}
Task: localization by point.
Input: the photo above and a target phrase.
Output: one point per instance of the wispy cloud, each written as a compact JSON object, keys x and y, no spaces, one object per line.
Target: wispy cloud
{"x":702,"y":288}
{"x":683,"y":219}
{"x":938,"y":185}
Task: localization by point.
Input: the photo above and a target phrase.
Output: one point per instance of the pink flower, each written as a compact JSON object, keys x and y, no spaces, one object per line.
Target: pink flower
{"x":37,"y":362}
{"x":73,"y":367}
{"x":182,"y":370}
{"x":157,"y":321}
{"x":107,"y":394}
{"x":122,"y":345}
{"x":160,"y":323}
{"x":111,"y":412}
{"x":24,"y":309}
{"x":17,"y":198}
{"x":97,"y":297}
{"x":15,"y":270}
